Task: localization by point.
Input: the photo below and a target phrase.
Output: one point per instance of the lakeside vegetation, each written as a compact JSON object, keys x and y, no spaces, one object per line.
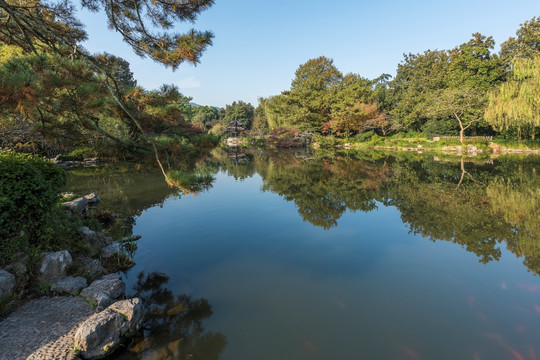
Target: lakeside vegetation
{"x":58,"y":99}
{"x":469,"y":90}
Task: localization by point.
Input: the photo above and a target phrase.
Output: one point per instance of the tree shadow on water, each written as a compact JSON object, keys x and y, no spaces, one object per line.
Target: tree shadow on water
{"x":173,"y":325}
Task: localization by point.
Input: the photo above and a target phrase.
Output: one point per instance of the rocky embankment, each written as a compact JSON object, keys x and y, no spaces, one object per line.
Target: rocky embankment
{"x":87,"y":319}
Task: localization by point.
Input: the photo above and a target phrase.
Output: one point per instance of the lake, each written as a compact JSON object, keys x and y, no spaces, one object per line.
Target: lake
{"x":332,"y":255}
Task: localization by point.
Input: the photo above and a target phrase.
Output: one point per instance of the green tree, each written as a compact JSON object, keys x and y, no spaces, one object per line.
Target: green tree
{"x":516,"y":103}
{"x":119,"y":68}
{"x":204,"y":116}
{"x":461,"y":103}
{"x":241,"y":111}
{"x":313,"y":87}
{"x":352,"y":106}
{"x":526,"y":44}
{"x":418,"y":76}
{"x":260,"y":121}
{"x":36,"y":27}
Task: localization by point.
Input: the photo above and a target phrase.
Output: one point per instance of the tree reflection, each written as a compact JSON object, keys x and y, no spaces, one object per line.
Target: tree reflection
{"x":477,"y":204}
{"x":173,"y":326}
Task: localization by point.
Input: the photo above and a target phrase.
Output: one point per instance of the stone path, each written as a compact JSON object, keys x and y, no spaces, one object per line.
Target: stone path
{"x":43,"y":329}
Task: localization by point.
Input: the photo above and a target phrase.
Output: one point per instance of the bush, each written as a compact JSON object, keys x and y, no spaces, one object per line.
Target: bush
{"x":283,"y":137}
{"x":29,"y":189}
{"x":80,"y":154}
{"x":363,"y":137}
{"x":325,"y":141}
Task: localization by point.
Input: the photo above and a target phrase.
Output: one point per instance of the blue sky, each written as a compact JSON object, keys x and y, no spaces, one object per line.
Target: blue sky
{"x":258,"y":45}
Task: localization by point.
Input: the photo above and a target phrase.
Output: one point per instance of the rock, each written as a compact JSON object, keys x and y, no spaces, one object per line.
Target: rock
{"x":103,"y":292}
{"x":91,"y":268}
{"x":132,"y":311}
{"x":77,"y":206}
{"x":95,"y":239}
{"x":19,"y":267}
{"x":110,"y":250}
{"x":55,"y":264}
{"x":472,"y":150}
{"x":112,"y":276}
{"x":99,"y":334}
{"x":7,"y":282}
{"x":131,"y":238}
{"x":92,"y":199}
{"x":103,"y":332}
{"x":71,"y":285}
{"x":494,"y":147}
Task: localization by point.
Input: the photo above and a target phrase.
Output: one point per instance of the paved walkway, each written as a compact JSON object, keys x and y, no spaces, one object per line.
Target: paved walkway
{"x":43,"y":329}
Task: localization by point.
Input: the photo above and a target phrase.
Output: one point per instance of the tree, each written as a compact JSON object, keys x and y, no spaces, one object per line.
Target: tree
{"x":204,"y":116}
{"x":526,"y":44}
{"x":119,"y":69}
{"x":38,"y":27}
{"x":313,"y":87}
{"x":417,"y":76}
{"x":260,"y":121}
{"x":516,"y":103}
{"x":241,"y":111}
{"x":352,"y":106}
{"x":460,"y":103}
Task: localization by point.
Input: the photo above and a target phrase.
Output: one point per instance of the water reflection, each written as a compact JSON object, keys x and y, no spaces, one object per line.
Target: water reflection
{"x":127,"y":189}
{"x":173,"y":327}
{"x":338,"y":284}
{"x":478,"y":204}
{"x":475,"y":203}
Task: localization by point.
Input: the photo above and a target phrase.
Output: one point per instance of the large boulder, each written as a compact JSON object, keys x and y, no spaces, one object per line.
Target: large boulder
{"x":90,"y":268}
{"x":18,"y":268}
{"x":110,"y":250}
{"x":95,"y":239}
{"x":70,"y":285}
{"x":101,"y":333}
{"x":77,"y":206}
{"x":92,"y":199}
{"x":80,"y":205}
{"x":132,"y":311}
{"x":104,"y":291}
{"x":7,"y":283}
{"x":55,"y":264}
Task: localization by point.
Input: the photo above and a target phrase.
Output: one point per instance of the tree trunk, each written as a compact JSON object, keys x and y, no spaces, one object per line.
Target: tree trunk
{"x":461,"y":129}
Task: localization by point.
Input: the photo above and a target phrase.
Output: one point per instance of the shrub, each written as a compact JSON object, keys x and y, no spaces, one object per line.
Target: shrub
{"x":29,"y":189}
{"x":283,"y":137}
{"x":363,"y":137}
{"x":325,"y":141}
{"x":80,"y":154}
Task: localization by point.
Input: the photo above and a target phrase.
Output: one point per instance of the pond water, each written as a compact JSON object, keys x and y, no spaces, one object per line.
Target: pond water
{"x":333,"y":255}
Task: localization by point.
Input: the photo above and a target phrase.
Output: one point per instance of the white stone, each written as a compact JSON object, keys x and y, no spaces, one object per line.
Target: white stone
{"x":55,"y":264}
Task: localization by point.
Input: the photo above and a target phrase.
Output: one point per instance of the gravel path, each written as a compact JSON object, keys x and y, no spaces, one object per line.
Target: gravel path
{"x":43,"y":329}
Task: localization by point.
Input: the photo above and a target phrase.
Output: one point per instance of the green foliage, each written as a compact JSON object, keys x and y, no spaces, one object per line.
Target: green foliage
{"x":204,"y":116}
{"x":283,"y":137}
{"x":526,"y":44}
{"x":29,"y":190}
{"x":241,"y":111}
{"x":80,"y":154}
{"x":325,"y":141}
{"x":440,"y":127}
{"x":189,"y":182}
{"x":516,"y":103}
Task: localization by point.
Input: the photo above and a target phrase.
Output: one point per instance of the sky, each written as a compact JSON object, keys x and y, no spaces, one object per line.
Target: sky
{"x":258,"y":45}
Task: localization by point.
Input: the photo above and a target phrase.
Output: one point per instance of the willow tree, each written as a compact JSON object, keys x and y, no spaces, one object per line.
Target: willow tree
{"x":37,"y":26}
{"x":516,"y":104}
